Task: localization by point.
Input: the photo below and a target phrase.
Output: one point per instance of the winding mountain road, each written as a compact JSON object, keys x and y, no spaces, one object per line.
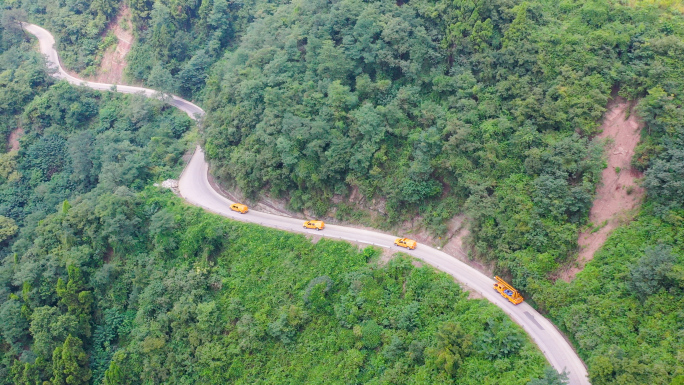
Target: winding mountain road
{"x":195,"y":188}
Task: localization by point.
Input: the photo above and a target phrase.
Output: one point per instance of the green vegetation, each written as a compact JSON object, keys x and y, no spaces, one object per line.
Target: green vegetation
{"x":176,"y":40}
{"x":624,"y":311}
{"x":486,"y":107}
{"x":105,"y":279}
{"x":664,"y":4}
{"x":434,"y":107}
{"x":437,"y":107}
{"x":178,"y":295}
{"x":79,"y":26}
{"x":76,"y":140}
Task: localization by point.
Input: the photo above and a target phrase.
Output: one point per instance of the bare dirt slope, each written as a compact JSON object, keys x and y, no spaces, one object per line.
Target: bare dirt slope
{"x":618,"y":195}
{"x":114,"y":59}
{"x":14,"y":139}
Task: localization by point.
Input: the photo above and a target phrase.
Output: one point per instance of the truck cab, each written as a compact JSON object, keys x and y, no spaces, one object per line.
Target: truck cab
{"x":507,"y":291}
{"x":318,"y":225}
{"x":405,"y":242}
{"x":239,"y":207}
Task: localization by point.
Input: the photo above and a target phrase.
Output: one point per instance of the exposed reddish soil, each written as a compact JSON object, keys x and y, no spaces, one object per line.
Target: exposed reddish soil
{"x":13,"y":142}
{"x":114,"y":59}
{"x":618,"y":196}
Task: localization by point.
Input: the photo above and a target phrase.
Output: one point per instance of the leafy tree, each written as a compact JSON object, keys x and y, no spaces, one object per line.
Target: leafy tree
{"x":371,"y":334}
{"x":249,"y":332}
{"x":315,"y":293}
{"x":453,"y":346}
{"x":113,"y":375}
{"x":194,"y":72}
{"x":11,"y":22}
{"x":416,"y":352}
{"x":70,"y":363}
{"x":395,"y":349}
{"x":651,"y":272}
{"x":28,"y":373}
{"x":8,"y":228}
{"x":551,"y":377}
{"x":663,"y":179}
{"x":74,"y":297}
{"x":49,"y":329}
{"x":161,"y":79}
{"x":14,"y":326}
{"x":498,"y":342}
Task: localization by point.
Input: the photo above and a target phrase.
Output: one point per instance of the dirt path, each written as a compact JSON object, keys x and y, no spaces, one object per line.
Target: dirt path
{"x":618,"y":196}
{"x":13,"y":142}
{"x":114,"y":59}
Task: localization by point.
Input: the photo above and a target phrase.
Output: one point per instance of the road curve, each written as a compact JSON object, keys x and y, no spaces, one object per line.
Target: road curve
{"x":195,"y":188}
{"x":47,"y":43}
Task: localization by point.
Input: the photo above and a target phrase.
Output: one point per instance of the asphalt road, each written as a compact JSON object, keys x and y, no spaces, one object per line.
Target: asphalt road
{"x":195,"y":188}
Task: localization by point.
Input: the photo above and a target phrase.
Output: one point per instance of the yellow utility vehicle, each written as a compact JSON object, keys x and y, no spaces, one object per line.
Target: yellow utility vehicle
{"x":318,"y":225}
{"x":405,"y":242}
{"x":239,"y":207}
{"x":507,"y":291}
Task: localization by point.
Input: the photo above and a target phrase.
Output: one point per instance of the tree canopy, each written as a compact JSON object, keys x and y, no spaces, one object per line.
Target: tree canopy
{"x":105,"y":278}
{"x":364,"y":111}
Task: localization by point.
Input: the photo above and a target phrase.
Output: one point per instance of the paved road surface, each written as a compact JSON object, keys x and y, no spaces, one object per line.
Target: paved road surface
{"x":47,"y":43}
{"x":195,"y":188}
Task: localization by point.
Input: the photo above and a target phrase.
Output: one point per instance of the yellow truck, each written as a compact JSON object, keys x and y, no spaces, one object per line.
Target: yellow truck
{"x":239,"y":207}
{"x":507,"y":291}
{"x":318,"y":225}
{"x":405,"y":242}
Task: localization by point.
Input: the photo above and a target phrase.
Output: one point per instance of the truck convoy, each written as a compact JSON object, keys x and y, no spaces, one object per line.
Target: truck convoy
{"x":507,"y":291}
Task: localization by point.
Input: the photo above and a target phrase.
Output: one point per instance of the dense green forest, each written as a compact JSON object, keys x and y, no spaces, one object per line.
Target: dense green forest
{"x":187,"y":297}
{"x":486,"y":107}
{"x":625,"y":311}
{"x":76,"y":140}
{"x":106,"y":279}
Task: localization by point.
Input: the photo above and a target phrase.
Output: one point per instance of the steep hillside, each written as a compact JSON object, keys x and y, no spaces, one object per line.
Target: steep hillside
{"x":618,"y":195}
{"x":113,"y":62}
{"x":431,"y":109}
{"x":105,"y":279}
{"x":623,"y":312}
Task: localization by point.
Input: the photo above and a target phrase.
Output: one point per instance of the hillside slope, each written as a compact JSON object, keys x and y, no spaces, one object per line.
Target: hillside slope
{"x":109,"y":281}
{"x":194,"y":186}
{"x":618,"y":195}
{"x":494,"y":122}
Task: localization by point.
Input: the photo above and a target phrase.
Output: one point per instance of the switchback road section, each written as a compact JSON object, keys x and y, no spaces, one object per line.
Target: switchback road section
{"x":195,"y":188}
